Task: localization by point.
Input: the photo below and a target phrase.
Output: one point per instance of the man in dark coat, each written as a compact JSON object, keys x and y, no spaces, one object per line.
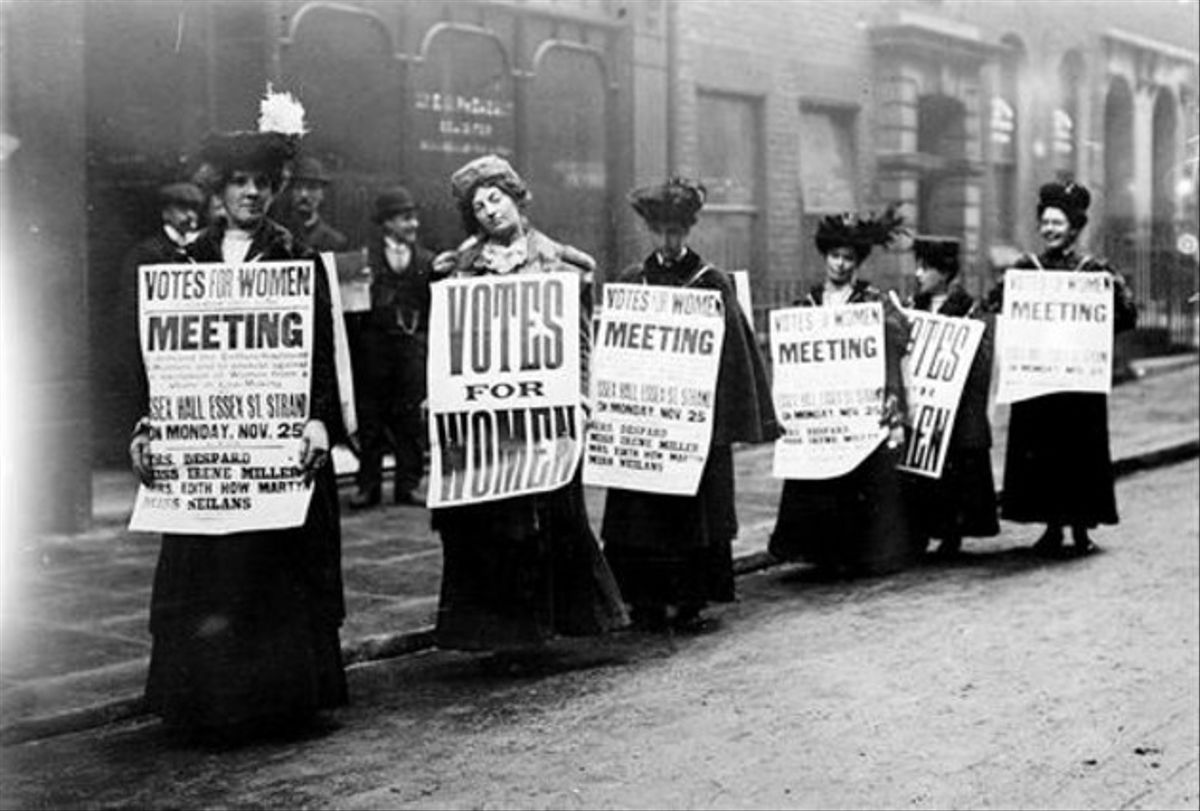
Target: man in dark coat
{"x":306,"y":194}
{"x":393,"y":344}
{"x":180,"y":205}
{"x":670,"y":551}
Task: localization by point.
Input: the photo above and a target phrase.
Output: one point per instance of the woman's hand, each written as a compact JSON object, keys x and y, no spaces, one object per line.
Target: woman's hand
{"x":139,"y":457}
{"x":443,"y":263}
{"x":314,"y":449}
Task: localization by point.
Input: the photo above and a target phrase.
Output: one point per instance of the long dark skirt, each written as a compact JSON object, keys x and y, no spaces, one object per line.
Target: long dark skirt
{"x":520,"y":571}
{"x":245,"y":626}
{"x":856,"y":522}
{"x":675,"y":550}
{"x":1057,"y":466}
{"x":961,"y":504}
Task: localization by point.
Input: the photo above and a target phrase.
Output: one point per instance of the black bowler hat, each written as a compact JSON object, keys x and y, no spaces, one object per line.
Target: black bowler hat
{"x":310,"y":170}
{"x":393,"y":201}
{"x":939,"y":253}
{"x":186,"y":195}
{"x":1070,"y":198}
{"x":676,"y":202}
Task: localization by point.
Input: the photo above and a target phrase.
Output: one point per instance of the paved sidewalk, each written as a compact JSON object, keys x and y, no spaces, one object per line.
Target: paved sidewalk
{"x":75,"y":636}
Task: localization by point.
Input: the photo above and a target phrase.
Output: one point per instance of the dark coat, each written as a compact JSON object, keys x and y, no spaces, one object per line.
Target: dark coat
{"x":962,"y":502}
{"x":399,"y":301}
{"x":390,"y":356}
{"x":856,"y":522}
{"x":670,"y":549}
{"x":245,"y":626}
{"x":320,"y":236}
{"x":1058,"y":465}
{"x":158,"y":249}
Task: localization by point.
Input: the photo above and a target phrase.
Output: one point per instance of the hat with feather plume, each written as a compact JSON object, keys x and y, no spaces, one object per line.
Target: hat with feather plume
{"x":269,"y":148}
{"x":860,"y":232}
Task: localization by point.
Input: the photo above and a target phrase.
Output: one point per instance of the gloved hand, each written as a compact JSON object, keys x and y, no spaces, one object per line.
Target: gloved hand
{"x":314,"y":449}
{"x":139,"y":457}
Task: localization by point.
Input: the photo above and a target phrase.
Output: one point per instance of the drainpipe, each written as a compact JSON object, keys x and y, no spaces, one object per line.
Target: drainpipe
{"x":672,"y":85}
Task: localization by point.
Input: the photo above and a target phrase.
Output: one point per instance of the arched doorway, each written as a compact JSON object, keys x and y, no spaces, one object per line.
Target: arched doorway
{"x":1167,"y":273}
{"x":339,"y":63}
{"x":1067,"y":157}
{"x":1119,"y":211}
{"x":942,"y":143}
{"x":568,"y":128}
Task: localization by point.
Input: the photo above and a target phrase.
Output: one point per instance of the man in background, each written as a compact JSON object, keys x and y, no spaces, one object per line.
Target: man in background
{"x":306,"y":194}
{"x":180,"y":206}
{"x":393,"y":346}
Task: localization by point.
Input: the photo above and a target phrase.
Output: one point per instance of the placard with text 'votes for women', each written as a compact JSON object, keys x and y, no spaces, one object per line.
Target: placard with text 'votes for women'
{"x":828,"y":388}
{"x":504,"y":387}
{"x":228,"y":356}
{"x":654,"y":379}
{"x":940,"y":353}
{"x":1055,"y":334}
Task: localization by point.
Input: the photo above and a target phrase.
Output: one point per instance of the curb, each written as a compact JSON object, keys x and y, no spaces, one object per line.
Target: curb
{"x":388,"y":646}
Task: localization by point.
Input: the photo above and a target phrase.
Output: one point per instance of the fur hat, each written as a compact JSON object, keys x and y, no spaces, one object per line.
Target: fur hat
{"x":676,"y":202}
{"x":280,"y":127}
{"x":484,"y":170}
{"x":1069,"y":197}
{"x":391,"y":202}
{"x":939,"y":253}
{"x":187,"y":195}
{"x":860,"y":233}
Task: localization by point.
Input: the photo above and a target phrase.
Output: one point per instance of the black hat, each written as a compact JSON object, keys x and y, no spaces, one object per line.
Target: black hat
{"x":1070,"y":198}
{"x":860,"y":233}
{"x":310,"y":170}
{"x":280,"y":127}
{"x":939,"y":253}
{"x":187,"y":195}
{"x":393,"y":201}
{"x":676,"y":202}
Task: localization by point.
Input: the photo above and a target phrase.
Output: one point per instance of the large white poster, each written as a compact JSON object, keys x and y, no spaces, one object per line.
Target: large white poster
{"x":653,"y":389}
{"x":228,"y":356}
{"x":504,"y":387}
{"x":940,"y":352}
{"x":828,"y":386}
{"x":1055,"y":334}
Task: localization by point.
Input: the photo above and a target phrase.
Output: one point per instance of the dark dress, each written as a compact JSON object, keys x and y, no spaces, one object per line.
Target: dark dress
{"x":1057,"y":464}
{"x":392,"y":350}
{"x":855,"y":523}
{"x":962,"y":503}
{"x":677,"y":550}
{"x":519,"y":571}
{"x":245,"y":626}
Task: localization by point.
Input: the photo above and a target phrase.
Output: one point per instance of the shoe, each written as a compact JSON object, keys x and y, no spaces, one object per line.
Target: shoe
{"x":688,"y":620}
{"x":362,"y":500}
{"x":1050,"y":545}
{"x":407,"y":499}
{"x":949,"y":548}
{"x":1081,"y":544}
{"x":648,"y":617}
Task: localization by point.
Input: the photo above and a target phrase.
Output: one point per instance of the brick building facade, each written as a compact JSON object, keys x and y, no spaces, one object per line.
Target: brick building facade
{"x":957,"y":110}
{"x":788,"y":110}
